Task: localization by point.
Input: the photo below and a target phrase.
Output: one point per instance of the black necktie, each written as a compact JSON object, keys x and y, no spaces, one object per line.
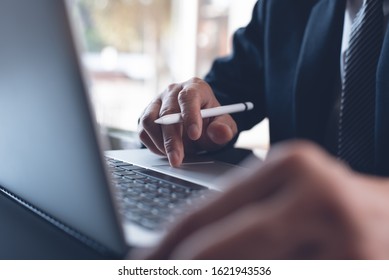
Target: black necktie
{"x":357,"y":110}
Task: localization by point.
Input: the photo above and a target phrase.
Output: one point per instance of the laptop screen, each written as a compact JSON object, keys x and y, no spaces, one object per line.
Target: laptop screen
{"x":48,"y":146}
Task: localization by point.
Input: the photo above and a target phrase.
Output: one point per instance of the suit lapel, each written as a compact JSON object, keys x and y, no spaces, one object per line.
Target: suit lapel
{"x":318,"y":69}
{"x":382,"y":111}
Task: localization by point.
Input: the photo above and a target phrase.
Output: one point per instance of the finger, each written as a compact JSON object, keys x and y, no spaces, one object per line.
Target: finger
{"x":172,"y":134}
{"x":174,"y":147}
{"x":221,"y":130}
{"x":146,"y":140}
{"x":194,"y":96}
{"x":150,"y":133}
{"x":217,"y":133}
{"x":245,"y":234}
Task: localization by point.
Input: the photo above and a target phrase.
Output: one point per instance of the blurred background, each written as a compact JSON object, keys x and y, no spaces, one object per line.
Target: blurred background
{"x":133,"y":49}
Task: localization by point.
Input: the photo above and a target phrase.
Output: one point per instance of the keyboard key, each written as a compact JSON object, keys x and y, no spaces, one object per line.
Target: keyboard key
{"x":135,"y":177}
{"x":111,"y":160}
{"x":151,"y":187}
{"x":164,"y":191}
{"x":131,"y":167}
{"x":177,"y":195}
{"x":124,"y":173}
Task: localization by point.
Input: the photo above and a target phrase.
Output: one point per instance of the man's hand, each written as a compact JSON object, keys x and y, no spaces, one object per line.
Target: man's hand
{"x":194,"y":134}
{"x":299,"y":204}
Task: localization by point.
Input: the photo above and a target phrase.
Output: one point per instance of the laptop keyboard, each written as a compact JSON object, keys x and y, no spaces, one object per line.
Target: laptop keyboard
{"x":151,"y":199}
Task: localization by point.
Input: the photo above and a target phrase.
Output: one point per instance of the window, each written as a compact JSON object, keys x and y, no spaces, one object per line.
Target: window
{"x":132,"y":49}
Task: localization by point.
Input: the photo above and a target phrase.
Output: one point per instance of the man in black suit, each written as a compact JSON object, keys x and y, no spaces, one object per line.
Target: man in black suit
{"x":318,"y":69}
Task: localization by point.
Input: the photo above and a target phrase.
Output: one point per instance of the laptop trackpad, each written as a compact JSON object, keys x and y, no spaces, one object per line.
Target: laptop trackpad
{"x":203,"y":173}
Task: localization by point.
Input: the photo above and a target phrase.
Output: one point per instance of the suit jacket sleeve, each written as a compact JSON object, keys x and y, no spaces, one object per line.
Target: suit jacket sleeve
{"x":240,"y":76}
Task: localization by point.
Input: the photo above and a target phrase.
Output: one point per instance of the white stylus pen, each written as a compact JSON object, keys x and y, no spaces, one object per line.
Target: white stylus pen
{"x":208,"y":113}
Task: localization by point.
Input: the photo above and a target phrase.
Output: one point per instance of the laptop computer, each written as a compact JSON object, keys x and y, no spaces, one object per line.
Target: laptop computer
{"x":51,"y":160}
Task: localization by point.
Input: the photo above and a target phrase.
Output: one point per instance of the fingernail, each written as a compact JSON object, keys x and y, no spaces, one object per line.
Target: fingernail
{"x":173,"y":158}
{"x":193,"y":132}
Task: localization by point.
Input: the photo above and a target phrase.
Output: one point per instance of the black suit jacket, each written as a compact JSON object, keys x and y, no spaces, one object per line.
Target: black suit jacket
{"x":287,"y":62}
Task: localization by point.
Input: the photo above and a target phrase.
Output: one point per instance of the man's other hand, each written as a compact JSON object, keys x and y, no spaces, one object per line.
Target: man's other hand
{"x":300,"y":204}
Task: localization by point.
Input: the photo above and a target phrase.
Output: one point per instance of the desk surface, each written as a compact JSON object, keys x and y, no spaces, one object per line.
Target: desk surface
{"x":24,"y":235}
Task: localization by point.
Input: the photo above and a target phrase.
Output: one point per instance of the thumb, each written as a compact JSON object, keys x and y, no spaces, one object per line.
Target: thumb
{"x":221,"y":130}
